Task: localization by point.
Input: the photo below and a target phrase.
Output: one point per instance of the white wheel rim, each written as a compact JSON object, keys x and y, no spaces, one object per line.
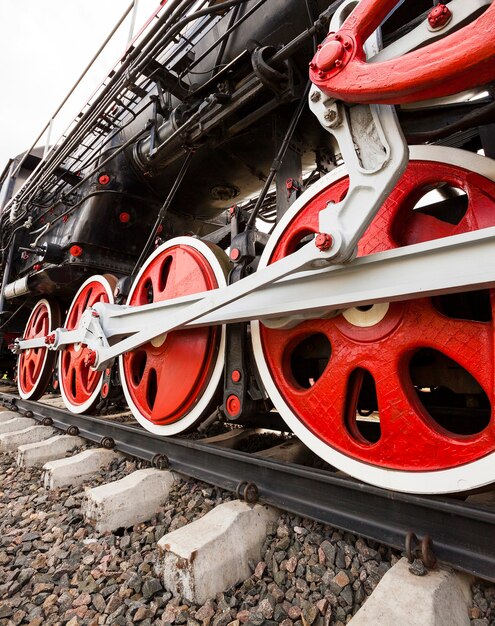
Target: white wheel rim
{"x":470,"y":476}
{"x":207,"y":395}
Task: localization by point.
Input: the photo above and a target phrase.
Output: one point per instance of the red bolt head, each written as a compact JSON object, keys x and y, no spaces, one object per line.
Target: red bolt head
{"x":323,"y":241}
{"x":439,"y":16}
{"x":104,"y":390}
{"x":236,"y":376}
{"x":75,"y":251}
{"x":104,"y":179}
{"x":37,"y":267}
{"x":50,"y":339}
{"x":65,"y":218}
{"x":233,"y":406}
{"x":235,"y":254}
{"x":124,"y":217}
{"x":90,"y":358}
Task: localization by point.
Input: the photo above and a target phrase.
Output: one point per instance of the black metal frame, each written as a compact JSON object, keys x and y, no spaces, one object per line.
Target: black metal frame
{"x":463,"y":535}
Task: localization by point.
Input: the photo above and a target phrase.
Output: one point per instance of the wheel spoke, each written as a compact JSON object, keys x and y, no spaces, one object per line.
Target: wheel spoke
{"x":467,"y":342}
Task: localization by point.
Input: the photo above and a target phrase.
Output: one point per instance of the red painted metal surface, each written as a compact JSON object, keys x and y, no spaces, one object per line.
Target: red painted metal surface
{"x":165,"y":378}
{"x":410,"y":438}
{"x":460,"y":61}
{"x":78,"y":380}
{"x":32,"y":362}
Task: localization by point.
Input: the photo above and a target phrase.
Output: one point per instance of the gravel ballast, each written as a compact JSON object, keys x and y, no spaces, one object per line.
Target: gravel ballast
{"x":54,"y":569}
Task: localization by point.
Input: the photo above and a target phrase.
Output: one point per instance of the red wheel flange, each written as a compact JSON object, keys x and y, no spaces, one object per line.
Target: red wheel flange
{"x":461,"y":60}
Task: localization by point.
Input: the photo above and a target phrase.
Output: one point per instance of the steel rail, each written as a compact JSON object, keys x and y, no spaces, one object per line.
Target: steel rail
{"x":463,"y":535}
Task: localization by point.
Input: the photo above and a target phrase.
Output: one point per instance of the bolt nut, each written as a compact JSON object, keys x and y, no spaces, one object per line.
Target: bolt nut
{"x":108,"y":443}
{"x":315,"y":96}
{"x":331,"y":115}
{"x":439,"y":16}
{"x":90,"y":358}
{"x":323,"y":241}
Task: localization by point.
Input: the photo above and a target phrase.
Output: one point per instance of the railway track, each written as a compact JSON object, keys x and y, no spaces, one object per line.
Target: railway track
{"x":458,"y":531}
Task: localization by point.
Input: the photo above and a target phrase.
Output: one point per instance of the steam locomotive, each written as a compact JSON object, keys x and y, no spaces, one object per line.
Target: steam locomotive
{"x":220,"y":235}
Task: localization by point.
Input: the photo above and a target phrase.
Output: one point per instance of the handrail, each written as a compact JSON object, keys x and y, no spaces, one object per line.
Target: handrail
{"x":74,"y":87}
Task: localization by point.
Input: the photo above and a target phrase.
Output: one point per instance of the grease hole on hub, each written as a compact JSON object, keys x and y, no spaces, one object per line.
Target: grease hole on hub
{"x":362,"y":418}
{"x":309,"y":358}
{"x":449,"y":393}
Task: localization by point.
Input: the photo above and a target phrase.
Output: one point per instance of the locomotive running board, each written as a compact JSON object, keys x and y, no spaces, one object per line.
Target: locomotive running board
{"x":462,"y":533}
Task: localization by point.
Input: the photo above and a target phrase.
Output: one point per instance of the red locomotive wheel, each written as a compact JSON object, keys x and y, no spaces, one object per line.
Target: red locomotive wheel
{"x":170,"y":382}
{"x":35,"y":366}
{"x":397,"y":394}
{"x":80,"y":386}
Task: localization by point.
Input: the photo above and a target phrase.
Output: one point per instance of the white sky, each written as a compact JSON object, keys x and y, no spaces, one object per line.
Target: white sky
{"x":44,"y":47}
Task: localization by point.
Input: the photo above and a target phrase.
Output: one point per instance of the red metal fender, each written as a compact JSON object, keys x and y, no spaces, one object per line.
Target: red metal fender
{"x":460,"y":61}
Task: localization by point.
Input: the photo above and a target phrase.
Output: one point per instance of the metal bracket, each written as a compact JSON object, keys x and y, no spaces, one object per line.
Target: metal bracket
{"x":375,"y":154}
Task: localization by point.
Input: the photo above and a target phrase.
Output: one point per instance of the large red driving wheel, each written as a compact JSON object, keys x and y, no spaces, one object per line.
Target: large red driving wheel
{"x":398,"y":394}
{"x":80,"y":386}
{"x":35,"y":366}
{"x":171,"y":381}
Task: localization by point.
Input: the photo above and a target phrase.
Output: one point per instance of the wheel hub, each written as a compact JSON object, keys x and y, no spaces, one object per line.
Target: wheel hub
{"x":366,"y":316}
